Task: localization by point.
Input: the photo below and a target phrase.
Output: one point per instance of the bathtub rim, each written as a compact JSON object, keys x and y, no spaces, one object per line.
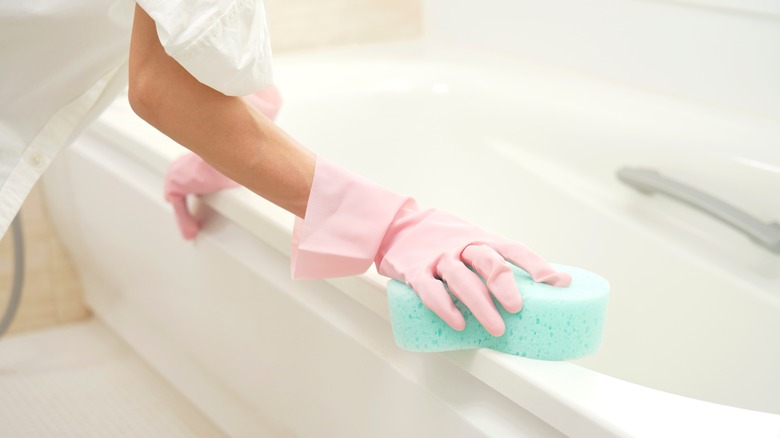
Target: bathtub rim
{"x":597,"y":401}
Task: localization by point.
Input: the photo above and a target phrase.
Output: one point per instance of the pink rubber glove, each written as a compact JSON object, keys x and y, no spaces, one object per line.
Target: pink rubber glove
{"x":351,"y":222}
{"x":190,"y":175}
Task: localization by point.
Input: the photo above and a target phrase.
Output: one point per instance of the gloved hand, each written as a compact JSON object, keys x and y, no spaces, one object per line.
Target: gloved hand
{"x":190,"y":175}
{"x":351,"y":222}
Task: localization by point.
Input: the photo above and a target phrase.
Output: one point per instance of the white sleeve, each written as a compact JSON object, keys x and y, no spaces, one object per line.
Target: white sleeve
{"x":222,"y":43}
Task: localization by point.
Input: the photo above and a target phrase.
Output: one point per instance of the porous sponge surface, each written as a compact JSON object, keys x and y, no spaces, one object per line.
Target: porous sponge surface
{"x":555,"y":323}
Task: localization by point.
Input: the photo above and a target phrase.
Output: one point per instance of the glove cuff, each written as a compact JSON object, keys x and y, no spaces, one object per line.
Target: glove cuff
{"x":347,"y":216}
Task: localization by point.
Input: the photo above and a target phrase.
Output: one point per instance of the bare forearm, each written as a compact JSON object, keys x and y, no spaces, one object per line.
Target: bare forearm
{"x":225,"y":131}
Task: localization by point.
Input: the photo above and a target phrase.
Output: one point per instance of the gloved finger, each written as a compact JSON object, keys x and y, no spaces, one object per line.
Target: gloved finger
{"x":525,"y":258}
{"x":469,"y":289}
{"x":435,"y":297}
{"x":188,"y":226}
{"x":498,"y":276}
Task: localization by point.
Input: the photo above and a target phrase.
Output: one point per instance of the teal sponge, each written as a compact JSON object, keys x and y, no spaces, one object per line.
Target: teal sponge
{"x":555,"y":323}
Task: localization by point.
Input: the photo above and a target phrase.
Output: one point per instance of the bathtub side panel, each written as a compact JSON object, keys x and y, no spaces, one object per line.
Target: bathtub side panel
{"x":258,"y":353}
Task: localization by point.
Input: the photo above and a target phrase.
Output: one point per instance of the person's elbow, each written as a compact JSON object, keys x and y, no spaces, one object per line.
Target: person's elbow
{"x":143,"y":93}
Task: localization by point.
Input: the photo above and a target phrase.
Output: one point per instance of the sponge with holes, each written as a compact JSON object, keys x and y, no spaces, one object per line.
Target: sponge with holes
{"x":556,"y":323}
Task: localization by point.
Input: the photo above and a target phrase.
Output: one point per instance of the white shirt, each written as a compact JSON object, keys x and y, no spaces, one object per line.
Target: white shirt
{"x":63,"y":61}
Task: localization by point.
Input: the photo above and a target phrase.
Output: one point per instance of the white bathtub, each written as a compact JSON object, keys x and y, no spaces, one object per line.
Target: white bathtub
{"x":691,"y":340}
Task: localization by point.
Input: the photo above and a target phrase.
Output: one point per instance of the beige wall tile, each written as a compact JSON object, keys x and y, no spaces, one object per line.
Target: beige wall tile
{"x":306,"y":24}
{"x":52,"y":291}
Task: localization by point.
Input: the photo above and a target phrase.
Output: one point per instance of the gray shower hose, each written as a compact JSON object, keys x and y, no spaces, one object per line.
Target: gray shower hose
{"x":18,"y":278}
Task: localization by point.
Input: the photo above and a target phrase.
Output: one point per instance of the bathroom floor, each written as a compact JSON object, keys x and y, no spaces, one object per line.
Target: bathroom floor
{"x":81,"y":380}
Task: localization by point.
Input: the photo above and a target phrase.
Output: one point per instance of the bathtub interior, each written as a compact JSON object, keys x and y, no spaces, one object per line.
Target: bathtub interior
{"x":525,"y":151}
{"x":586,"y":127}
{"x":573,"y":132}
{"x":531,"y":153}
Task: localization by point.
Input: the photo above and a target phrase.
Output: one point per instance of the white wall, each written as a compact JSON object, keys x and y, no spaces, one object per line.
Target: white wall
{"x":713,"y":54}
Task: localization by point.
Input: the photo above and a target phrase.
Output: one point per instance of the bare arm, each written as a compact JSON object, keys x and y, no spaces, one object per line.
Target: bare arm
{"x":225,"y":131}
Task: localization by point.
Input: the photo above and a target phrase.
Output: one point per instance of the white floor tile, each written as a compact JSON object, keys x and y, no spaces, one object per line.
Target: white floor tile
{"x":81,"y":380}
